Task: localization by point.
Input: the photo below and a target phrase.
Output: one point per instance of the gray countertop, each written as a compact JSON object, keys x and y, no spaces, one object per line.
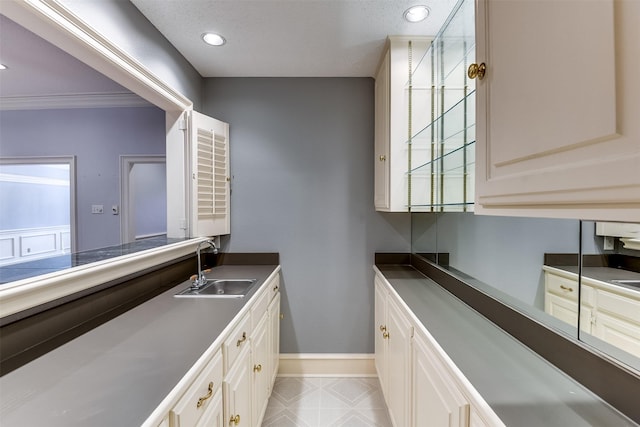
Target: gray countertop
{"x":522,"y":388}
{"x":605,"y":274}
{"x":119,"y":372}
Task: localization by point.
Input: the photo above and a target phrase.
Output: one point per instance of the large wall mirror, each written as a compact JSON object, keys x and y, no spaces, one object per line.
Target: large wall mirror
{"x":82,"y":162}
{"x":543,"y":268}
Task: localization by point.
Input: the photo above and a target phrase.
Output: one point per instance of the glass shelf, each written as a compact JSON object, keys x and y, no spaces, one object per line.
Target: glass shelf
{"x":452,"y":159}
{"x":441,"y":102}
{"x":454,"y":114}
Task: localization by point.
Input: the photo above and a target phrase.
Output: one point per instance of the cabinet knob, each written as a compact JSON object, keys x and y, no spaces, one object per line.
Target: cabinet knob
{"x":476,"y":70}
{"x":383,"y":157}
{"x":275,"y":288}
{"x":281,"y":316}
{"x":257,"y":368}
{"x":383,"y":328}
{"x":385,"y":335}
{"x":235,"y":420}
{"x":205,"y":397}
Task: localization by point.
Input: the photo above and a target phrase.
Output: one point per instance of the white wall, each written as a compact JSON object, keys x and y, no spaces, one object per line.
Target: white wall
{"x":302,"y":166}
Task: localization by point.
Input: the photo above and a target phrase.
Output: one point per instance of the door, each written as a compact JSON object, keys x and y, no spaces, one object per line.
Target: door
{"x":557,"y":128}
{"x":382,"y":114}
{"x":261,"y":374}
{"x":274,"y":336}
{"x":380,"y":324}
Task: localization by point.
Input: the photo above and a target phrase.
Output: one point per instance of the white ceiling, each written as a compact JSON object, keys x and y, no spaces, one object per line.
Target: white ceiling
{"x":288,"y":38}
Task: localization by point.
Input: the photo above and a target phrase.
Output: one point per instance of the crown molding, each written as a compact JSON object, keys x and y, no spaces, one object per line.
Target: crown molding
{"x":53,"y":21}
{"x":78,"y":100}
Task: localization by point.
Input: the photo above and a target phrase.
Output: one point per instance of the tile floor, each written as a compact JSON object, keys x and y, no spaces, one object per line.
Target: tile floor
{"x":326,"y":402}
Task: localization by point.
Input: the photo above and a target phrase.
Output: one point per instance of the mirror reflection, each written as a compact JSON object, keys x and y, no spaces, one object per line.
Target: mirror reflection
{"x":57,"y":111}
{"x":533,"y":265}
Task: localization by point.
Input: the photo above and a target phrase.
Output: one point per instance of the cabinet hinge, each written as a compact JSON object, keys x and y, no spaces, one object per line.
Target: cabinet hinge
{"x":182,"y":124}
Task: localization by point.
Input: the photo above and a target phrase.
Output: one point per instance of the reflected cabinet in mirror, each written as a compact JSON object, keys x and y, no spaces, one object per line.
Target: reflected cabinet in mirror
{"x":80,"y":158}
{"x":580,"y":278}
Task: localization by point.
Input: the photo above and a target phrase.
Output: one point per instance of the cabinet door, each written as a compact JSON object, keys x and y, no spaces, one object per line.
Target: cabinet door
{"x":398,"y":362}
{"x":261,"y":374}
{"x":557,"y":127}
{"x":381,"y":168}
{"x":380,"y":322}
{"x":618,"y":332}
{"x":436,"y":400}
{"x":274,"y":338}
{"x":237,"y":391}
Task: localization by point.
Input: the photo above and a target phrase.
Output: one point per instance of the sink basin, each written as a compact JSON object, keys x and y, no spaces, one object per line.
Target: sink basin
{"x":634,"y":283}
{"x":220,"y":288}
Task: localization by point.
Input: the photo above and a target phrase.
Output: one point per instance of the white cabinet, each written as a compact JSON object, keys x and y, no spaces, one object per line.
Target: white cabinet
{"x":237,"y":391}
{"x":561,"y":299}
{"x":392,"y":122}
{"x":203,"y":397}
{"x":274,"y":337}
{"x":557,"y":113}
{"x":260,"y":361}
{"x":436,"y":400}
{"x":608,"y":312}
{"x":421,"y":385}
{"x":233,"y":387}
{"x":393,"y":354}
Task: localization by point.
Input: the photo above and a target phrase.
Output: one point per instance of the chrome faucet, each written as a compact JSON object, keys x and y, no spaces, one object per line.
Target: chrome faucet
{"x":200,"y":279}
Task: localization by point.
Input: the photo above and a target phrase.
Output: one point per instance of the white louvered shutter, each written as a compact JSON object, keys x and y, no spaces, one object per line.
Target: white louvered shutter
{"x":210,"y":171}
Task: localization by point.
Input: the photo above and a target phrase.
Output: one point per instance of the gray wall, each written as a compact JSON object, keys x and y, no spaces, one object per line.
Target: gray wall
{"x":122,"y":23}
{"x":302,"y":166}
{"x":504,"y":252}
{"x":97,"y":137}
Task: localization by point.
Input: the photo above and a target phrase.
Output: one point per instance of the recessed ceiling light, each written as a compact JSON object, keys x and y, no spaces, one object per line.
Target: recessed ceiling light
{"x":213,"y":39}
{"x":3,"y":67}
{"x":416,"y":13}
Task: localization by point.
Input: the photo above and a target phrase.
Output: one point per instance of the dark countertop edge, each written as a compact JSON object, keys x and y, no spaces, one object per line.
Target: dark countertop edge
{"x":604,"y":377}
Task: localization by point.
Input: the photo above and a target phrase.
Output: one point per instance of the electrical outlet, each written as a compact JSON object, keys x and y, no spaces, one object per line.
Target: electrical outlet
{"x":97,"y":209}
{"x":608,"y":243}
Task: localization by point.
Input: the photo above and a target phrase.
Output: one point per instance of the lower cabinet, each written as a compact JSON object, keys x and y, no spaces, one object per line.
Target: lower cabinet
{"x":436,"y":400}
{"x":421,"y":386}
{"x":608,"y":312}
{"x":393,"y":355}
{"x":237,"y":391}
{"x":234,"y":386}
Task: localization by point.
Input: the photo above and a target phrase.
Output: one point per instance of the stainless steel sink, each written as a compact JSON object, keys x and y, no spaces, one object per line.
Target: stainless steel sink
{"x":634,"y":283}
{"x":219,"y":288}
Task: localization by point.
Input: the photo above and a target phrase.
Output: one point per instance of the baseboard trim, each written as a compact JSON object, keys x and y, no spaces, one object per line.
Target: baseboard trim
{"x":326,"y":365}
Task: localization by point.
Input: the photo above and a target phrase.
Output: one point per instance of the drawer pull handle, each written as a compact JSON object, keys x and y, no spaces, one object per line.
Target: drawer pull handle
{"x":383,"y":328}
{"x":241,"y":340}
{"x":385,"y":335}
{"x":564,"y":288}
{"x":235,"y":420}
{"x":257,"y":368}
{"x":208,"y":395}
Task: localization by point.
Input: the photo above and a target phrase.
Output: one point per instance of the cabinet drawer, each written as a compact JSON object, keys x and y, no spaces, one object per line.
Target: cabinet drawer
{"x":199,"y":395}
{"x":562,"y":286}
{"x":236,"y":341}
{"x":260,"y":307}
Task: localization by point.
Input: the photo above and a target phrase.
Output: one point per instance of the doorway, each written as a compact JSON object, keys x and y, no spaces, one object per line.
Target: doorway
{"x":143,"y":197}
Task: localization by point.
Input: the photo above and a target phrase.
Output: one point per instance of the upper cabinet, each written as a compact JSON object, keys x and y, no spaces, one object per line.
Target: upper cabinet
{"x":391,"y":122}
{"x":558,"y":132}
